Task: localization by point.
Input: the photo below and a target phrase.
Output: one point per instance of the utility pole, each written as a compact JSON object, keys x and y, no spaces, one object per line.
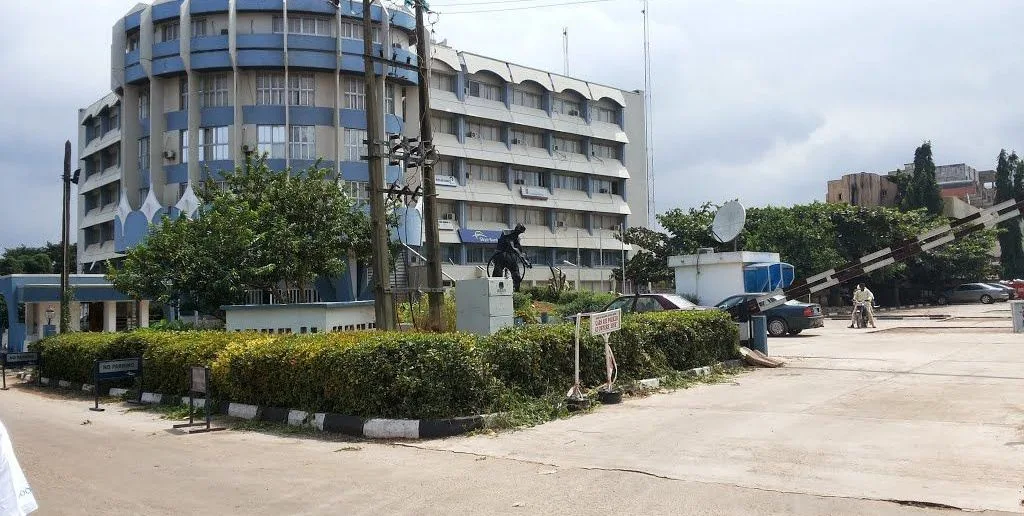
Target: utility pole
{"x":65,"y":234}
{"x":435,"y":294}
{"x":383,"y":302}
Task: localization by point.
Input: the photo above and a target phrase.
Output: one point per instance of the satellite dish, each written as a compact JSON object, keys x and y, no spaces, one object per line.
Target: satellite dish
{"x":729,"y":222}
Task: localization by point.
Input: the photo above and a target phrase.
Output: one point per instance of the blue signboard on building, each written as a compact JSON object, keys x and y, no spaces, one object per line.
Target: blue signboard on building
{"x":479,"y":236}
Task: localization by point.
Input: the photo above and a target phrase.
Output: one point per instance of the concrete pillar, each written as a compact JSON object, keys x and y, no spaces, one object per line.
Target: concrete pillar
{"x":143,"y":314}
{"x":110,"y":316}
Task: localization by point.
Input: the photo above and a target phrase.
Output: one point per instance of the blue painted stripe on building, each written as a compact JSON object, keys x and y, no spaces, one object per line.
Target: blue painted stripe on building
{"x":208,"y":6}
{"x":166,"y":10}
{"x":305,"y":42}
{"x":167,"y":48}
{"x":302,"y":115}
{"x":266,"y":41}
{"x":312,"y":59}
{"x":260,"y":58}
{"x":132,"y":57}
{"x":176,"y":173}
{"x":218,"y":60}
{"x":259,"y":5}
{"x":132,"y":21}
{"x":216,"y":116}
{"x":263,"y":115}
{"x":168,"y":66}
{"x":276,"y":164}
{"x":355,"y":171}
{"x":311,"y":6}
{"x":134,"y":74}
{"x":305,"y":164}
{"x":208,"y":43}
{"x":176,"y":120}
{"x":392,"y":124}
{"x":353,"y":119}
{"x":212,"y":169}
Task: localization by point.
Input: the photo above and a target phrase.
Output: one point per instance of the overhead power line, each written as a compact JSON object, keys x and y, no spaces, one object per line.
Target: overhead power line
{"x":522,"y":8}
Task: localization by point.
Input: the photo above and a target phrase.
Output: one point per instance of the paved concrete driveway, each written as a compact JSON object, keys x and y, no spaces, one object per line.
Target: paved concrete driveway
{"x":905,"y":413}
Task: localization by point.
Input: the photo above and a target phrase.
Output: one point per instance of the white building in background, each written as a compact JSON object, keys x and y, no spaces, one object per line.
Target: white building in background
{"x":198,"y":83}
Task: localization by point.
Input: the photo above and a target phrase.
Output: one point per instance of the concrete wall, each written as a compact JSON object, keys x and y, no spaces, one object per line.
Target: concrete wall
{"x":862,"y":189}
{"x":301,"y":318}
{"x":713,"y":277}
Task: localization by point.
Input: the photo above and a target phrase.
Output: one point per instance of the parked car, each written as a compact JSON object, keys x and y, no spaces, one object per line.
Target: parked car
{"x":791,"y":317}
{"x":1017,"y":285}
{"x":651,"y":303}
{"x":972,"y":292}
{"x":1010,"y":291}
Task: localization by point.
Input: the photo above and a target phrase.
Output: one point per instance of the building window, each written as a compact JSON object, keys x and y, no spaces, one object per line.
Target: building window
{"x":604,"y":151}
{"x":143,"y":154}
{"x":606,"y":221}
{"x":569,"y":219}
{"x":530,"y":216}
{"x":133,"y":42}
{"x":538,"y":255}
{"x":269,"y":89}
{"x":605,"y":114}
{"x":487,"y":213}
{"x":301,"y":89}
{"x":355,"y":149}
{"x":446,"y":210}
{"x":484,"y":90}
{"x":215,"y":144}
{"x":483,"y":131}
{"x":450,"y":253}
{"x":213,"y":90}
{"x":567,"y":145}
{"x":526,"y":98}
{"x":352,"y":30}
{"x":527,"y":138}
{"x":480,"y":172}
{"x":529,"y":178}
{"x":306,"y":25}
{"x":355,"y":94}
{"x":444,"y":125}
{"x":183,"y":142}
{"x":169,"y":31}
{"x":144,"y":105}
{"x":442,"y":81}
{"x":302,"y":142}
{"x":358,"y":190}
{"x":183,"y":93}
{"x":444,"y":168}
{"x":565,"y":106}
{"x":115,"y":118}
{"x":389,"y":98}
{"x":198,"y":27}
{"x":477,"y":254}
{"x":270,"y":141}
{"x":603,"y":186}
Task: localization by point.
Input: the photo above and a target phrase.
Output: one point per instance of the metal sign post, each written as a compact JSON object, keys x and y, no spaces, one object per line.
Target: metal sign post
{"x":17,"y":359}
{"x":199,"y":383}
{"x":603,"y":324}
{"x":111,"y":370}
{"x":575,"y":394}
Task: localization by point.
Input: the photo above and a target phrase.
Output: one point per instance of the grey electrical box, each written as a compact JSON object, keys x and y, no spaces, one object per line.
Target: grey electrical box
{"x":483,"y":305}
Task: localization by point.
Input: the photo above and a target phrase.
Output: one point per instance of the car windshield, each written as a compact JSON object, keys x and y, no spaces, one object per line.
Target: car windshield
{"x":679,"y":301}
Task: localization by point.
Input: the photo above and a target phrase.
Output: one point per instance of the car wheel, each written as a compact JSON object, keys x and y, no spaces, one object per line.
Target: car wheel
{"x":941,"y":300}
{"x":795,"y":332}
{"x":777,"y":327}
{"x":987,"y":299}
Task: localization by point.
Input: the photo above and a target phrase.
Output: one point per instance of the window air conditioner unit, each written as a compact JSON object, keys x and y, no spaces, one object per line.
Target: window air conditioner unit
{"x":448,"y":216}
{"x":516,"y":141}
{"x":470,"y":134}
{"x":559,"y":223}
{"x":574,"y":112}
{"x":555,"y":147}
{"x":603,"y":190}
{"x":169,"y":154}
{"x":223,"y":32}
{"x":246,"y":149}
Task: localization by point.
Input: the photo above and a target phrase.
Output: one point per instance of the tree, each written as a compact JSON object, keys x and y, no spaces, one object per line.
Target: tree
{"x":1009,"y":176}
{"x":649,"y":263}
{"x":923,"y":189}
{"x":34,"y":260}
{"x":263,"y":230}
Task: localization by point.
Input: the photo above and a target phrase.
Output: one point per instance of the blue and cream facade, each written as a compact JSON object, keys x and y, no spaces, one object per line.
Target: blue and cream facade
{"x":563,"y":156}
{"x":199,"y":83}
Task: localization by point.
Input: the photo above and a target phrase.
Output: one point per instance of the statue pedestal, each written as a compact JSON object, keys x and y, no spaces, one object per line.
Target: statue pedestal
{"x":483,"y":305}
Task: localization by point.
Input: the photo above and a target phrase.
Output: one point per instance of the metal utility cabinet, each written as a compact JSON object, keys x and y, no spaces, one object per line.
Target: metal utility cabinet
{"x":483,"y":305}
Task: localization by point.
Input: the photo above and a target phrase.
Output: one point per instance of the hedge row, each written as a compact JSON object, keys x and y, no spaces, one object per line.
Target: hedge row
{"x":393,"y":374}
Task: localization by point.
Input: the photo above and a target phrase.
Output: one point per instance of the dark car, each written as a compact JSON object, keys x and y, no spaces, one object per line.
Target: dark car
{"x":791,"y":317}
{"x":972,"y":292}
{"x":651,"y":303}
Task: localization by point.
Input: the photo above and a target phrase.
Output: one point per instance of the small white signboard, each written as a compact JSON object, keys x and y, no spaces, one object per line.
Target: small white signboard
{"x":603,"y":323}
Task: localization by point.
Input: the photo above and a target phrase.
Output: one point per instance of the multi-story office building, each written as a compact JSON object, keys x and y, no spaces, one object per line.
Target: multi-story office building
{"x":199,"y":83}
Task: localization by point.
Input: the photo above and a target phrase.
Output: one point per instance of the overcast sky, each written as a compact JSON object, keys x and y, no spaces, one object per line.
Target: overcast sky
{"x":756,"y":100}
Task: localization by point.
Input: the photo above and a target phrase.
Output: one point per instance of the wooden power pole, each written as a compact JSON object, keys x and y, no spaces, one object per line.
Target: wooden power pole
{"x":435,"y":293}
{"x":65,"y":233}
{"x":375,"y":138}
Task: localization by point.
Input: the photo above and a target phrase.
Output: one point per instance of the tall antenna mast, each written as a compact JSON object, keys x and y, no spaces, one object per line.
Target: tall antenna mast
{"x":649,"y":115}
{"x":565,"y":49}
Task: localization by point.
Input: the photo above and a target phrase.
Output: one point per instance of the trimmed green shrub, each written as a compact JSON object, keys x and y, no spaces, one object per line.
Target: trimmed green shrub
{"x":169,"y":355}
{"x":70,"y":356}
{"x":371,"y":374}
{"x":583,"y":301}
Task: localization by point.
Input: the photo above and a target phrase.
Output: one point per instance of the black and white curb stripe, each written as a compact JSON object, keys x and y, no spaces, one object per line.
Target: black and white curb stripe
{"x":654,"y":383}
{"x":373,"y":428}
{"x":898,"y":252}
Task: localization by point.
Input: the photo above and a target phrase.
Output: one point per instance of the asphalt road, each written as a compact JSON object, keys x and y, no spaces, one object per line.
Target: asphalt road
{"x":898,"y":419}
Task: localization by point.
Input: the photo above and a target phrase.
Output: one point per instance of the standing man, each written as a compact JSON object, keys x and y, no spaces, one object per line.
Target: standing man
{"x":863,"y":295}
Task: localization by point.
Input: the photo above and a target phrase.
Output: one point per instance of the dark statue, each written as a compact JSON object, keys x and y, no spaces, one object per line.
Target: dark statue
{"x":508,"y":255}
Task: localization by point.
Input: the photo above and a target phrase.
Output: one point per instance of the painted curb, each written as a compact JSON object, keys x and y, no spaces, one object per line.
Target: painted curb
{"x":654,"y":383}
